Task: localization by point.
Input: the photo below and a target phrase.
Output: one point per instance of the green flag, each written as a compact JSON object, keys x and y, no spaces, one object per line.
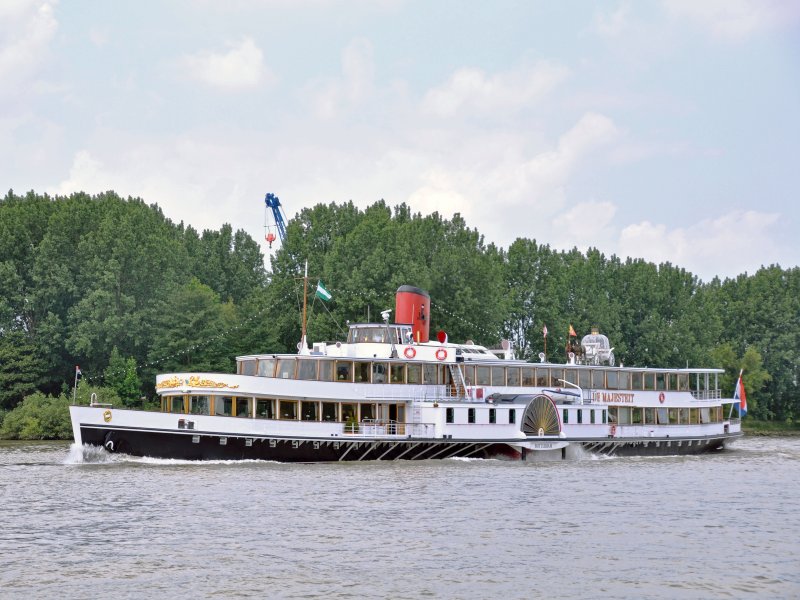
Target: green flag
{"x":322,"y":293}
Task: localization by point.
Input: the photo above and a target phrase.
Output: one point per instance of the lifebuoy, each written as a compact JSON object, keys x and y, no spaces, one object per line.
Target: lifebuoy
{"x":661,"y":397}
{"x":409,"y":352}
{"x":613,"y":430}
{"x":441,"y":354}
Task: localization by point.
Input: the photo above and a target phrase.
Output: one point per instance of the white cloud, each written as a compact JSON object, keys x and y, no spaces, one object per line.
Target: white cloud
{"x":615,"y":23}
{"x":26,"y":30}
{"x":240,"y":67}
{"x":472,"y":90}
{"x":736,"y":19}
{"x":734,"y":243}
{"x":588,"y":224}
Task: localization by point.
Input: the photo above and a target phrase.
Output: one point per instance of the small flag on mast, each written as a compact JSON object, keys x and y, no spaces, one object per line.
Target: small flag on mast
{"x":740,"y":395}
{"x":544,"y":331}
{"x":77,"y":371}
{"x":572,"y":332}
{"x":322,"y":293}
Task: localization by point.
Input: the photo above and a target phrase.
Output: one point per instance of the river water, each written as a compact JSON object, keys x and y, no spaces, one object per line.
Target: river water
{"x":79,"y":523}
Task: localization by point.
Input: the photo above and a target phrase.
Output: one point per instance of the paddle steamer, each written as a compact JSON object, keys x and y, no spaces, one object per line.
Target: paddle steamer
{"x":391,"y":393}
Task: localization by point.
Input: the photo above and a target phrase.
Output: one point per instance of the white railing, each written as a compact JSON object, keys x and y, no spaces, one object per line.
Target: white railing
{"x":375,"y":427}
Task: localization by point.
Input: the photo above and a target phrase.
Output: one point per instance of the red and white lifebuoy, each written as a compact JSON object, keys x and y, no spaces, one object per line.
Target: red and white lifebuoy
{"x":409,"y":352}
{"x":613,"y":430}
{"x":441,"y":354}
{"x":661,"y":397}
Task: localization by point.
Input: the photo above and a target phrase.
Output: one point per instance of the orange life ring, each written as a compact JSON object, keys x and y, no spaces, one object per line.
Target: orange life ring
{"x":661,"y":397}
{"x":441,"y":354}
{"x":613,"y":430}
{"x":409,"y":352}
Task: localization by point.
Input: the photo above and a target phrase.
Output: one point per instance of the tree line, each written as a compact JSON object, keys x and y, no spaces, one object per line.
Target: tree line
{"x":112,"y":285}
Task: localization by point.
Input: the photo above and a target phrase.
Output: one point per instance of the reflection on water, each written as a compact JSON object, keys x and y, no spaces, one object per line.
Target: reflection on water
{"x":79,"y":522}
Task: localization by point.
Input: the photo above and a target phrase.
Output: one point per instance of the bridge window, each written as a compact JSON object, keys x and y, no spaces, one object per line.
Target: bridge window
{"x":329,"y":411}
{"x":308,"y":411}
{"x":414,"y":372}
{"x":449,"y":415}
{"x":199,"y":405}
{"x":265,"y":409}
{"x":492,"y":415}
{"x":248,"y":367}
{"x":266,"y":367}
{"x":398,"y":373}
{"x":512,"y":375}
{"x":512,"y":415}
{"x":344,"y":370}
{"x":285,"y":368}
{"x":470,"y":415}
{"x":307,"y":369}
{"x":325,"y":370}
{"x":288,"y":410}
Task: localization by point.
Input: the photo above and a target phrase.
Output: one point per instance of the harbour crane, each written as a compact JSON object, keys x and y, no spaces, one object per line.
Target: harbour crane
{"x":272,"y":202}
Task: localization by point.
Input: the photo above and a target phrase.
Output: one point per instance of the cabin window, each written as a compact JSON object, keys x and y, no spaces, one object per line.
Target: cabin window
{"x":344,"y":370}
{"x":285,"y":368}
{"x":414,"y":372}
{"x":248,"y":367}
{"x":649,"y":381}
{"x":603,"y":414}
{"x":542,"y":377}
{"x":580,"y":415}
{"x":662,"y":416}
{"x":470,"y":415}
{"x":325,"y":370}
{"x":397,"y":373}
{"x":612,"y":380}
{"x":379,"y":372}
{"x":199,"y":405}
{"x":288,"y":410}
{"x":349,"y":412}
{"x":430,"y":373}
{"x":694,"y":415}
{"x":512,"y":415}
{"x":705,"y":415}
{"x":176,"y":404}
{"x":482,"y":374}
{"x":598,"y":379}
{"x":243,"y":407}
{"x":469,"y":374}
{"x":492,"y":415}
{"x":673,"y":416}
{"x":512,"y":376}
{"x":266,"y":367}
{"x":592,"y":416}
{"x":571,"y":375}
{"x":585,"y":379}
{"x":672,"y":381}
{"x":329,"y":411}
{"x":650,"y":416}
{"x":624,"y":380}
{"x":555,"y":375}
{"x":566,"y":416}
{"x":612,"y":414}
{"x":367,"y":412}
{"x":308,"y":411}
{"x":636,"y":415}
{"x":223,"y":405}
{"x":528,"y":376}
{"x":623,"y":415}
{"x":450,"y":415}
{"x":307,"y":369}
{"x":498,"y":376}
{"x":661,"y":381}
{"x":265,"y":409}
{"x":636,"y":380}
{"x":684,"y":415}
{"x":361,"y":372}
{"x":683,"y":382}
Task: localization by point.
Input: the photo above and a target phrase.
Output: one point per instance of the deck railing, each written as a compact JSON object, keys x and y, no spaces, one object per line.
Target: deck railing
{"x":373,"y":427}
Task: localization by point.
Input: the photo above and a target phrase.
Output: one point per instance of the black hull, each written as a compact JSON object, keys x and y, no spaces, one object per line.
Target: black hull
{"x":195,"y":445}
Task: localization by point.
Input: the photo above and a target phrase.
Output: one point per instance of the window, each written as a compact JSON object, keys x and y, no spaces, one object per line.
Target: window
{"x":469,"y":374}
{"x":542,"y":377}
{"x":379,"y":372}
{"x":470,"y":415}
{"x":705,"y":415}
{"x":512,"y":415}
{"x":498,"y":376}
{"x":223,"y":405}
{"x":636,"y":416}
{"x":649,"y":381}
{"x":349,"y":412}
{"x":624,"y":382}
{"x":673,"y":381}
{"x":512,"y":374}
{"x":176,"y":404}
{"x":285,"y":368}
{"x":492,"y":415}
{"x":367,"y":411}
{"x":650,"y":416}
{"x":598,"y":379}
{"x":612,"y":380}
{"x":308,"y":411}
{"x":673,"y":416}
{"x":431,"y":374}
{"x":684,"y":416}
{"x":288,"y":410}
{"x":566,"y":416}
{"x":414,"y":372}
{"x":584,"y":378}
{"x":307,"y":369}
{"x":449,"y":415}
{"x":329,"y":410}
{"x":264,"y":409}
{"x":555,"y":375}
{"x":361,"y":372}
{"x":571,"y":375}
{"x":605,"y":416}
{"x":397,"y":373}
{"x":325,"y":370}
{"x":199,"y":405}
{"x":248,"y":367}
{"x":694,"y":416}
{"x":591,"y":416}
{"x":243,"y":407}
{"x":683,"y":381}
{"x":580,"y":415}
{"x":661,"y":381}
{"x":266,"y":367}
{"x":662,"y":416}
{"x":528,"y":376}
{"x":482,"y":376}
{"x":623,"y":415}
{"x":636,"y":380}
{"x":344,"y":370}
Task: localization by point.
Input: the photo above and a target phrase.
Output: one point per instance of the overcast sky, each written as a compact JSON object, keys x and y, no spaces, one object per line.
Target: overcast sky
{"x":664,"y":130}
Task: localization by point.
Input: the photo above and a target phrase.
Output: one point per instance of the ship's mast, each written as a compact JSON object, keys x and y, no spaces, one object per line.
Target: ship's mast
{"x":305,"y":304}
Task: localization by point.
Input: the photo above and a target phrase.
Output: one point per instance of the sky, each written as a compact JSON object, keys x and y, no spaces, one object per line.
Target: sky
{"x":664,"y":130}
